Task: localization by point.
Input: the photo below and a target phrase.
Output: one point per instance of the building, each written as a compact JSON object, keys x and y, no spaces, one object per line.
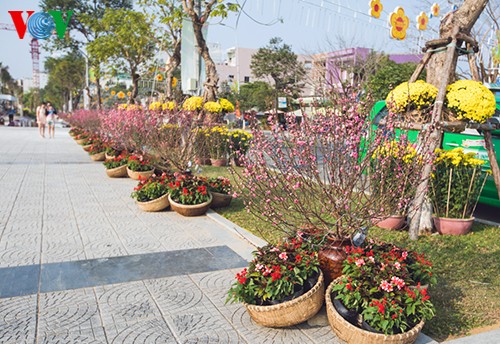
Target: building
{"x":235,"y":69}
{"x":27,"y":83}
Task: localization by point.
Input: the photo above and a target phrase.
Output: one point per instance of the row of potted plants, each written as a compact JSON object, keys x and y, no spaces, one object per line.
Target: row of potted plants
{"x":381,"y":295}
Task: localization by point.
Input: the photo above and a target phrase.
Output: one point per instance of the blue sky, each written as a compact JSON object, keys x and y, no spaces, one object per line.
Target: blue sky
{"x":309,"y":26}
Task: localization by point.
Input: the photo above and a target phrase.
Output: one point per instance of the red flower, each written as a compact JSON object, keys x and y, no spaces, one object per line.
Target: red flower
{"x":394,"y":316}
{"x":276,"y":275}
{"x":177,"y":184}
{"x":298,"y":258}
{"x":185,"y":191}
{"x":349,"y":286}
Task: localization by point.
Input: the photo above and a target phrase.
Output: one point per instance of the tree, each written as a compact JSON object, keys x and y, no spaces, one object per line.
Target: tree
{"x":258,"y":94}
{"x":126,"y":45}
{"x":279,"y":63}
{"x":199,"y":14}
{"x":170,"y":14}
{"x":389,"y":75}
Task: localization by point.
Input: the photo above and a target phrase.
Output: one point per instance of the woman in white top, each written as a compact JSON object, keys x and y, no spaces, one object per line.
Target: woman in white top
{"x":41,"y":119}
{"x":51,"y":119}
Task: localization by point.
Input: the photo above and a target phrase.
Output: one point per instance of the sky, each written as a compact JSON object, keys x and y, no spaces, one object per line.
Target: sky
{"x":309,"y":26}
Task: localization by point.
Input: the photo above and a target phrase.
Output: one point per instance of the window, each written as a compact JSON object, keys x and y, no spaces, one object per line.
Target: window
{"x":230,"y":76}
{"x":246,"y":79}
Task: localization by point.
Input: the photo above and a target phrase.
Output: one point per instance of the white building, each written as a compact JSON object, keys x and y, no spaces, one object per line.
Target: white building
{"x":27,"y":83}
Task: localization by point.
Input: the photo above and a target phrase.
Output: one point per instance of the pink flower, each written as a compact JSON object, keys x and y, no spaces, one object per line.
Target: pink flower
{"x":404,"y":254}
{"x":283,"y":256}
{"x":386,"y":286}
{"x":359,"y":262}
{"x":397,"y":265}
{"x":275,"y":249}
{"x":398,"y":282}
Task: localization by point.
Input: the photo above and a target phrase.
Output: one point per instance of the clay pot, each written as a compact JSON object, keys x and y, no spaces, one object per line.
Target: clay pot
{"x":393,"y":222}
{"x":218,"y":162}
{"x":331,"y":257}
{"x":190,"y":210}
{"x":220,"y":200}
{"x":450,"y":226}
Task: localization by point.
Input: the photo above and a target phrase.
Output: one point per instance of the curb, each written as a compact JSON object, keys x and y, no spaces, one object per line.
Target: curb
{"x":488,"y":223}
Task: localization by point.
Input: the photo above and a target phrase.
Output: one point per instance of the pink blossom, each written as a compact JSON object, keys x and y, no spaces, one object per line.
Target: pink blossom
{"x":398,"y":282}
{"x":359,"y":262}
{"x":283,"y":256}
{"x":404,"y":254}
{"x":397,"y":265}
{"x":384,"y":285}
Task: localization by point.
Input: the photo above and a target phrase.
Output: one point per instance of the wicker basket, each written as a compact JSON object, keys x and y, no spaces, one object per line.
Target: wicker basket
{"x":354,"y":335}
{"x":86,"y":147}
{"x":418,"y":116}
{"x":220,"y":200}
{"x":109,"y":157}
{"x":117,"y":172}
{"x":155,"y":205}
{"x":81,"y":141}
{"x":97,"y":156}
{"x":136,"y":175}
{"x":190,"y":210}
{"x":291,"y":312}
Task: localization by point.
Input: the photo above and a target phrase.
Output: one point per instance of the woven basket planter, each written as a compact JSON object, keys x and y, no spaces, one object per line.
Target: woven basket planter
{"x":154,"y":205}
{"x":118,"y":172}
{"x":354,"y":335}
{"x":109,"y":157}
{"x":81,"y":141}
{"x":291,"y":312}
{"x":220,"y":200}
{"x":86,"y":147}
{"x":136,"y":175}
{"x":98,"y":156}
{"x":190,"y":210}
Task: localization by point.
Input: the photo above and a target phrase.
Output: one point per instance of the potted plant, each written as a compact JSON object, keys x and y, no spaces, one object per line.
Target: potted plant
{"x":82,"y":139}
{"x":456,"y":184}
{"x":413,"y":99}
{"x":96,"y":151}
{"x":239,"y":144}
{"x":189,"y":195}
{"x":116,"y":167}
{"x":470,"y":100}
{"x":378,"y":287}
{"x":220,"y":188}
{"x":218,"y":145}
{"x":111,"y":151}
{"x":139,"y":167}
{"x":282,"y":286}
{"x":152,"y":194}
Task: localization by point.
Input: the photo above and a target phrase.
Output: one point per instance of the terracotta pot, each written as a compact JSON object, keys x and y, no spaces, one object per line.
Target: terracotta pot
{"x":291,"y":312}
{"x":331,"y":257}
{"x":155,"y":205}
{"x":86,"y":147}
{"x":393,"y":222}
{"x":190,"y":210}
{"x":218,"y":162}
{"x":136,"y":175}
{"x":450,"y":226}
{"x":117,"y":172}
{"x":351,"y":334}
{"x":202,"y":161}
{"x":98,"y":156}
{"x":220,"y":200}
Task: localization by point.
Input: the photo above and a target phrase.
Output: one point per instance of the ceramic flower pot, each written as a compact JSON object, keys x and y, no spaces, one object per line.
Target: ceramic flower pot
{"x":136,"y":175}
{"x":118,"y":172}
{"x":331,"y":257}
{"x":393,"y":222}
{"x":86,"y":147}
{"x":353,"y":335}
{"x":450,"y":226}
{"x":190,"y":210}
{"x":291,"y":312}
{"x":98,"y":156}
{"x":157,"y":204}
{"x":220,"y":200}
{"x":218,"y":162}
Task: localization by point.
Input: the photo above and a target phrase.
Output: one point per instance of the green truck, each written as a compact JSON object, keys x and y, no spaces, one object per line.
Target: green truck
{"x":470,"y":140}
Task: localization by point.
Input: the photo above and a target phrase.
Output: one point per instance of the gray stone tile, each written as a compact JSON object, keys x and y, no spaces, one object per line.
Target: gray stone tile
{"x":18,"y":320}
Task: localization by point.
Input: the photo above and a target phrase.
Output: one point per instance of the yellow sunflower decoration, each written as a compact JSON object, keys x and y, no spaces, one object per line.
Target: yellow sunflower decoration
{"x":129,"y":93}
{"x":435,"y":9}
{"x":399,"y":23}
{"x":375,"y":8}
{"x":113,"y":93}
{"x":174,"y":82}
{"x":159,"y":77}
{"x":121,"y":95}
{"x":422,"y":21}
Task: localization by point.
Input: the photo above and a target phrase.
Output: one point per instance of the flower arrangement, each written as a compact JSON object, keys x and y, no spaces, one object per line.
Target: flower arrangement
{"x":212,"y":107}
{"x":96,"y":147}
{"x":111,"y":150}
{"x":239,"y":141}
{"x":411,"y":96}
{"x":151,"y":188}
{"x":470,"y":100}
{"x":76,"y":131}
{"x":188,"y":190}
{"x":276,"y":274}
{"x":139,"y":163}
{"x":226,"y":105}
{"x":117,"y":161}
{"x":218,"y":142}
{"x":456,"y":183}
{"x":377,"y":284}
{"x":193,"y":104}
{"x":220,"y":185}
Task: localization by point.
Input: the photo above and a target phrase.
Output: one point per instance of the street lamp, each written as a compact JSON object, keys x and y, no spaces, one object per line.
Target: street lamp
{"x":86,"y":98}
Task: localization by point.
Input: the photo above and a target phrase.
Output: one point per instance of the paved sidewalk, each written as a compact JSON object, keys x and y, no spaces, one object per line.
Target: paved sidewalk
{"x":79,"y":263}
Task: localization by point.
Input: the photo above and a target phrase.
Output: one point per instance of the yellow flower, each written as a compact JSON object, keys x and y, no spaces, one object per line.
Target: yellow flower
{"x":470,"y":100}
{"x":121,"y":95}
{"x":375,"y":8}
{"x":226,"y":105}
{"x":113,"y":93}
{"x":422,"y":21}
{"x":408,"y":96}
{"x":159,"y":77}
{"x":169,"y":106}
{"x":193,"y":104}
{"x":435,"y":10}
{"x":212,"y":107}
{"x":155,"y":106}
{"x":399,"y":23}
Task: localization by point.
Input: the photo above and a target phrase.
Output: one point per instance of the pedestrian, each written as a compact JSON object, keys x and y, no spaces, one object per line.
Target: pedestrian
{"x":41,"y":114}
{"x":11,"y":112}
{"x":51,"y":119}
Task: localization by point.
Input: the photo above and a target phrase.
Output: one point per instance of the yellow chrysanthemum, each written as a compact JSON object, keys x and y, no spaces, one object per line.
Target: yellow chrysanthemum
{"x":212,"y":107}
{"x":170,"y":106}
{"x":193,"y":104}
{"x":155,"y":106}
{"x":226,"y":105}
{"x":414,"y":95}
{"x":470,"y":100}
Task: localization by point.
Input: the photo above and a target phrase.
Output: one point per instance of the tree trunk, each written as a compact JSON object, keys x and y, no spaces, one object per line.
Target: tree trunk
{"x":99,"y":99}
{"x":135,"y":87}
{"x":440,"y":73}
{"x":172,"y":64}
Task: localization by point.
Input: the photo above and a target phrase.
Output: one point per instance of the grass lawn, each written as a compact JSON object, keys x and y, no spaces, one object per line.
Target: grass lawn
{"x":467,"y":295}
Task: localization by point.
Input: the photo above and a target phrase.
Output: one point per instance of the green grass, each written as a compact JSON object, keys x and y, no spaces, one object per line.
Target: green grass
{"x":467,"y":295}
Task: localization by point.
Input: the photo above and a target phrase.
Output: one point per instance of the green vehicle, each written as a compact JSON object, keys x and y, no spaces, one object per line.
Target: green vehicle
{"x":470,"y":140}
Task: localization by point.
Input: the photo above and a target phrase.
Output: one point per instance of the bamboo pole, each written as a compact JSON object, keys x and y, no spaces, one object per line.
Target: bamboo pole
{"x":449,"y":191}
{"x":468,"y":192}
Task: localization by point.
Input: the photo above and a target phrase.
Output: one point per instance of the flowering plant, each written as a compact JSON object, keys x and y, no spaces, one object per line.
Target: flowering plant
{"x":456,"y":183}
{"x":277,"y":273}
{"x":220,"y":185}
{"x":188,"y":190}
{"x":239,"y":142}
{"x":410,"y":96}
{"x":470,"y":100}
{"x":155,"y":106}
{"x":96,"y":147}
{"x":169,"y":106}
{"x":117,"y":161}
{"x":218,"y":142}
{"x":193,"y":103}
{"x":212,"y":107}
{"x":151,"y":188}
{"x":376,"y":283}
{"x":138,"y":163}
{"x":226,"y":105}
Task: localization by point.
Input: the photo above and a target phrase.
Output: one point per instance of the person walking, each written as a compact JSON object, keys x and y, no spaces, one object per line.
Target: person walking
{"x":51,"y":119}
{"x":41,"y":119}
